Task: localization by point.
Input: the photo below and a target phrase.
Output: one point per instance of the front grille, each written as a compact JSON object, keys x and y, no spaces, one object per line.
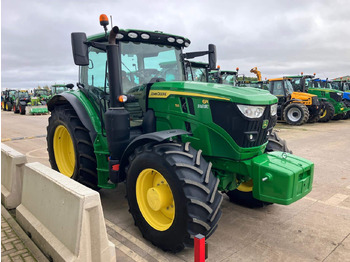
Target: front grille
{"x":245,"y":132}
{"x":335,"y":96}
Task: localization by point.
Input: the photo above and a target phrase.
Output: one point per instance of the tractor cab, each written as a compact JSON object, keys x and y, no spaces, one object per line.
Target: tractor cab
{"x":226,"y":77}
{"x":197,"y":71}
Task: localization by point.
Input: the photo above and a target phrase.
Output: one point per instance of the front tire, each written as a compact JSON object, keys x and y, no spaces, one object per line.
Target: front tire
{"x":296,"y":114}
{"x":243,"y":195}
{"x":22,"y":109}
{"x":69,"y":146}
{"x":327,"y":112}
{"x":172,"y":195}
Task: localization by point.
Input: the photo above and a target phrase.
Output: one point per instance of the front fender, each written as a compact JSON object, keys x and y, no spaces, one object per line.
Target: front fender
{"x":68,"y":98}
{"x":144,"y":139}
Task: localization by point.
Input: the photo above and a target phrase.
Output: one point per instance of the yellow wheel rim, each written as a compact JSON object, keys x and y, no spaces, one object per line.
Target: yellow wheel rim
{"x":7,"y":107}
{"x":155,"y":199}
{"x":64,"y":151}
{"x":324,"y":113}
{"x":246,"y":186}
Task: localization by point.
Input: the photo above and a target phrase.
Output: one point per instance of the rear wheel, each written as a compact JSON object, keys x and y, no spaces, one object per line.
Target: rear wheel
{"x":347,"y":114}
{"x":15,"y":110}
{"x":313,"y":118}
{"x":172,"y":194}
{"x":69,"y":146}
{"x":243,"y":195}
{"x":327,"y":112}
{"x":3,"y":105}
{"x":296,"y":114}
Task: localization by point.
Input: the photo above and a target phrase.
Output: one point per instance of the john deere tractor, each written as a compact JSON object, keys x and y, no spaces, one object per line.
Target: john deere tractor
{"x":7,"y":99}
{"x":177,"y":144}
{"x":344,"y":86}
{"x":296,"y":108}
{"x":331,"y":100}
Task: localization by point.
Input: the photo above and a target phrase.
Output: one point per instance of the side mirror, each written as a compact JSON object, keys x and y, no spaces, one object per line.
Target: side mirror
{"x":212,"y":56}
{"x":69,"y":86}
{"x":80,"y":49}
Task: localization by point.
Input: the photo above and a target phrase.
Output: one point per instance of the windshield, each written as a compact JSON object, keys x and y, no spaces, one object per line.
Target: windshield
{"x":23,"y":95}
{"x":308,"y":82}
{"x":317,"y":84}
{"x":346,"y":87}
{"x":229,"y":79}
{"x":141,"y":62}
{"x":59,"y":89}
{"x":289,"y":87}
{"x":41,"y":92}
{"x":336,"y":85}
{"x":197,"y":74}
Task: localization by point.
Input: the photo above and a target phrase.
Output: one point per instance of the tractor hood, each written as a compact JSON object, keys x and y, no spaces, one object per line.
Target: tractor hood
{"x":327,"y":90}
{"x":302,"y":95}
{"x":239,"y":95}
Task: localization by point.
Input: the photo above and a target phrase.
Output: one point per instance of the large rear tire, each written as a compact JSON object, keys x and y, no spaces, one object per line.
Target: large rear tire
{"x":172,"y":194}
{"x":69,"y":146}
{"x":327,"y":112}
{"x":243,"y":195}
{"x":296,"y":114}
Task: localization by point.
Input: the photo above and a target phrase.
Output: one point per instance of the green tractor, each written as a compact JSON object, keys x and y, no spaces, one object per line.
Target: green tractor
{"x":59,"y":88}
{"x":177,"y":144}
{"x":197,"y":71}
{"x":333,"y":106}
{"x":21,"y":100}
{"x":7,"y":99}
{"x":42,"y":95}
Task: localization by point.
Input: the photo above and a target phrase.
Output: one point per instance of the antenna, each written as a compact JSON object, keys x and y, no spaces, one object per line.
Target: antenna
{"x":111,"y":21}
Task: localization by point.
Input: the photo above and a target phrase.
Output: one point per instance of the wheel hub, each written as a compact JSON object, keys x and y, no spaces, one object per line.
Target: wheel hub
{"x":294,"y":114}
{"x":159,"y":197}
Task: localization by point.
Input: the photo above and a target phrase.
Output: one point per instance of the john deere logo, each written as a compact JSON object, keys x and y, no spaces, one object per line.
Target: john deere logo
{"x":265,"y":124}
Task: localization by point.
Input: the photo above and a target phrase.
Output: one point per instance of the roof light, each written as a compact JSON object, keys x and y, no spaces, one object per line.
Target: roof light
{"x":132,"y":35}
{"x":302,"y":73}
{"x":145,"y":36}
{"x":314,"y":74}
{"x":187,"y":44}
{"x":104,"y":20}
{"x":218,"y":67}
{"x":237,"y":68}
{"x":180,"y":41}
{"x":171,"y":39}
{"x":120,"y":36}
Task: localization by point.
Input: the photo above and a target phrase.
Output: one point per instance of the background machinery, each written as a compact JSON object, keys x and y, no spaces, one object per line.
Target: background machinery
{"x":134,"y":118}
{"x":7,"y":99}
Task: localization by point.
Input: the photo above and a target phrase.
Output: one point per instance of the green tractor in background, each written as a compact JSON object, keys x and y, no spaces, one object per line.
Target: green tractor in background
{"x":344,"y":86}
{"x":333,"y":106}
{"x":41,"y":96}
{"x":7,"y":99}
{"x":60,"y":88}
{"x":177,"y":144}
{"x":21,"y":100}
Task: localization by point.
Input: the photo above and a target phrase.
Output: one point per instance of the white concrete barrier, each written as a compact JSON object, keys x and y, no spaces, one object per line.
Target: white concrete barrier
{"x":12,"y":164}
{"x":63,"y":217}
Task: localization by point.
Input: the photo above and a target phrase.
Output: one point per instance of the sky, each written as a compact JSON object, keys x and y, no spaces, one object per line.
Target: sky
{"x":280,"y":37}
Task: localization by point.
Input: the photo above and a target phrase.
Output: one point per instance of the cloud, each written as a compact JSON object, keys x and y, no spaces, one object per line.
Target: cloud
{"x":280,"y":37}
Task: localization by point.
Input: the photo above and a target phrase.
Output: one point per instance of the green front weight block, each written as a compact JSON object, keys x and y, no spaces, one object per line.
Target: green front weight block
{"x":281,"y":178}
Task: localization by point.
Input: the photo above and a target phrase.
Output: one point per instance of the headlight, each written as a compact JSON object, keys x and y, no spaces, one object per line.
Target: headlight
{"x":251,"y":111}
{"x":273,"y":109}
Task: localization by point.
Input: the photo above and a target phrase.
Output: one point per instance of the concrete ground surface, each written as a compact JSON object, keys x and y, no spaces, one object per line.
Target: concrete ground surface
{"x":315,"y":228}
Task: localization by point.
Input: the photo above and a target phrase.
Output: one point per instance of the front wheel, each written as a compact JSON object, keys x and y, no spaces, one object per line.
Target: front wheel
{"x":172,"y":194}
{"x":22,"y":109}
{"x":243,"y":195}
{"x":296,"y":114}
{"x":327,"y":112}
{"x":69,"y":146}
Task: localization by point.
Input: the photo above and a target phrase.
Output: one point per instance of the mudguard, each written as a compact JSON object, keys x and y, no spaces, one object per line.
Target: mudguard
{"x":144,"y":139}
{"x":67,"y":98}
